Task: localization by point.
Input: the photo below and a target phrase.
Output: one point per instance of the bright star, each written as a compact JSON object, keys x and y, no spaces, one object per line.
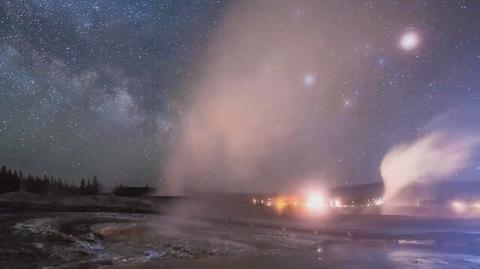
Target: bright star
{"x":308,"y":80}
{"x":409,"y":40}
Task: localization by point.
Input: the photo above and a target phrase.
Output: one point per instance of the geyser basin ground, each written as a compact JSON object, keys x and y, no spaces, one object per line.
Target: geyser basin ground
{"x":123,"y":240}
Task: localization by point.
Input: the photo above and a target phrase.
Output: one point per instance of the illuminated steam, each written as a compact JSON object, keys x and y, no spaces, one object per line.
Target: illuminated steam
{"x":432,"y":157}
{"x":269,"y":106}
{"x":260,"y":101}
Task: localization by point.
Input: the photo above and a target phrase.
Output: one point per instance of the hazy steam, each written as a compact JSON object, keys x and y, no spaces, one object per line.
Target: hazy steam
{"x":258,"y":112}
{"x":432,"y":157}
{"x":266,"y":105}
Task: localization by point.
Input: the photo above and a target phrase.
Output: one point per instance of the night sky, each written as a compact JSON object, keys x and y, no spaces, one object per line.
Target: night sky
{"x":236,"y":95}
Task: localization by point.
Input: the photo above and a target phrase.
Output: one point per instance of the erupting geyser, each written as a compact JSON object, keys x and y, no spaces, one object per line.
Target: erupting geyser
{"x":261,"y":105}
{"x":432,"y":157}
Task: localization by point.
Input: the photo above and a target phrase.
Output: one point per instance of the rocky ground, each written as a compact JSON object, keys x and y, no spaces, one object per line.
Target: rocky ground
{"x":129,"y":240}
{"x":24,"y":201}
{"x":109,"y":232}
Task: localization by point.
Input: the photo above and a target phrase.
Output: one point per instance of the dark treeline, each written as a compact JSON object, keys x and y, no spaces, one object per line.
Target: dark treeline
{"x":130,"y":191}
{"x":13,"y":181}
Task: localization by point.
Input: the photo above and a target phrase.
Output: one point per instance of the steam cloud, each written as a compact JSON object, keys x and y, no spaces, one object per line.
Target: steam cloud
{"x":261,"y":114}
{"x":260,"y":100}
{"x":432,"y":157}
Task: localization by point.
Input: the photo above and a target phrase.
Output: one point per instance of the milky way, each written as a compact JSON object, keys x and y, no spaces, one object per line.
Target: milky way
{"x":108,"y":88}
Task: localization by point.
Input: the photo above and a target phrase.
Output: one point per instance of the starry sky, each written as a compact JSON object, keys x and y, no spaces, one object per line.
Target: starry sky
{"x":234,"y":95}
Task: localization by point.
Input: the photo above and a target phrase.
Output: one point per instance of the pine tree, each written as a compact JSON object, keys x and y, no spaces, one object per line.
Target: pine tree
{"x":95,"y":185}
{"x":3,"y":180}
{"x":82,"y":187}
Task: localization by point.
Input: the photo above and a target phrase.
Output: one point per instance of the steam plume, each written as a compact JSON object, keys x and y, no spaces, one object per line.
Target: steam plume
{"x":261,"y":102}
{"x":430,"y":158}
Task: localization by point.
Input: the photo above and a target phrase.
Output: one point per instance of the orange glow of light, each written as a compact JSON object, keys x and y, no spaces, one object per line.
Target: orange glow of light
{"x":280,"y":204}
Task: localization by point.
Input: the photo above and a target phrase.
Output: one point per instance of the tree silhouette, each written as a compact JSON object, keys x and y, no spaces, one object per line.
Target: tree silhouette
{"x":15,"y":181}
{"x":9,"y":182}
{"x":131,"y":191}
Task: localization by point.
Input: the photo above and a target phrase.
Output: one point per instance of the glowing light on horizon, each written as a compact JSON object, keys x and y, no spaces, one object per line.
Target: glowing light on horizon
{"x":315,"y":201}
{"x":378,"y":201}
{"x":337,"y":202}
{"x":459,"y":206}
{"x":280,"y":204}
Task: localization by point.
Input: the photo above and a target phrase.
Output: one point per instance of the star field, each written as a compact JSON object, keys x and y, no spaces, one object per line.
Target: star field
{"x":102,"y":87}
